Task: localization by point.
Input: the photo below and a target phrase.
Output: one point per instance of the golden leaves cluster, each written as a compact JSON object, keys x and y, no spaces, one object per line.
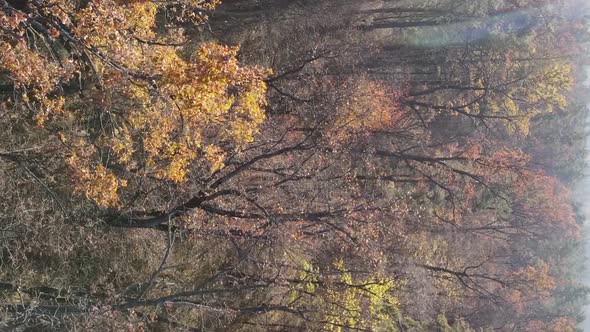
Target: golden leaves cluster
{"x":347,"y":300}
{"x":208,"y":103}
{"x":147,"y":103}
{"x":203,"y":107}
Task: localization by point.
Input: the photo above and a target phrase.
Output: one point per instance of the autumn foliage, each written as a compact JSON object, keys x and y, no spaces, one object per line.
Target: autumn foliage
{"x":290,"y":166}
{"x":145,"y":109}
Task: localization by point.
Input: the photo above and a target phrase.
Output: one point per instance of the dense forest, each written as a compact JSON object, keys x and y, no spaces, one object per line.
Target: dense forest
{"x":292,"y":165}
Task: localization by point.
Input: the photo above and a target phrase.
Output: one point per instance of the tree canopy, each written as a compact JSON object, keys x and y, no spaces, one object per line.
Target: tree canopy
{"x":278,"y":165}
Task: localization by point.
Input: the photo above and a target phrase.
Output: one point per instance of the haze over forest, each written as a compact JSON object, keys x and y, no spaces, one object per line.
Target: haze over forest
{"x":294,"y":165}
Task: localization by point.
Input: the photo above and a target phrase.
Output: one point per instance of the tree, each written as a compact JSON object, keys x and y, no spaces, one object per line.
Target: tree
{"x":122,"y":98}
{"x":154,"y":178}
